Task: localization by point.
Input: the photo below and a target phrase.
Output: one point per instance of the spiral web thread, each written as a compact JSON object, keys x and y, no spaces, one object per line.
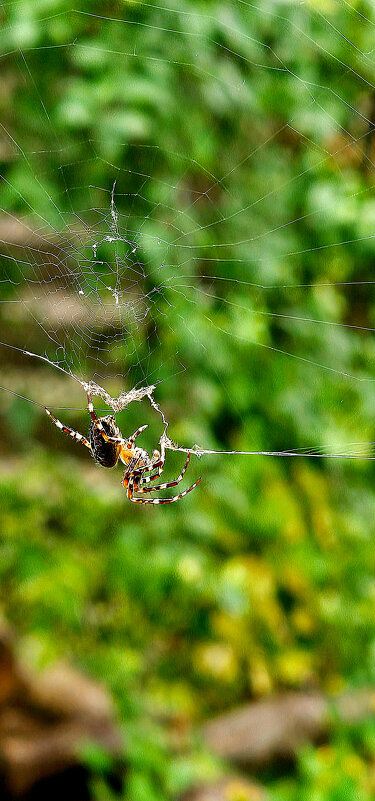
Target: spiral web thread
{"x":93,"y":310}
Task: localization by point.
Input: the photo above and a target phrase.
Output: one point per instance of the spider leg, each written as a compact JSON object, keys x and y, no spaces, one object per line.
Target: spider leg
{"x":134,"y":477}
{"x":159,"y":500}
{"x":131,"y":474}
{"x":129,"y":442}
{"x":70,"y":431}
{"x":134,"y":436}
{"x":168,"y":484}
{"x":90,"y":407}
{"x":97,"y":422}
{"x":138,"y":474}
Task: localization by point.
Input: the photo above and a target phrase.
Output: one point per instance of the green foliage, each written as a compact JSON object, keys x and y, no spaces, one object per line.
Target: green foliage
{"x":341,"y":771}
{"x":263,"y":579}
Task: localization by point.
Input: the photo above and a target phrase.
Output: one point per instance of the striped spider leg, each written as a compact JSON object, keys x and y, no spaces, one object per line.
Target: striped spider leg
{"x":135,"y":487}
{"x":70,"y":431}
{"x":162,"y":486}
{"x":136,"y":476}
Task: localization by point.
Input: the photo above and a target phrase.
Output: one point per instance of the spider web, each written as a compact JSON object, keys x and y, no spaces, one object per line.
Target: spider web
{"x":120,"y":248}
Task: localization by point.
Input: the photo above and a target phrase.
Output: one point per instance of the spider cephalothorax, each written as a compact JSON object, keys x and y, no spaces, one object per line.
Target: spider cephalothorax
{"x":107,"y":445}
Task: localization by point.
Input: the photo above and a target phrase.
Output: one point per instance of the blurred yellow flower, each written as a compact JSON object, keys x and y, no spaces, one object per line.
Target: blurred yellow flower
{"x":236,"y":790}
{"x":294,"y":667}
{"x":189,"y":569}
{"x":353,"y":766}
{"x":303,"y":621}
{"x":217,"y":660}
{"x":232,"y":627}
{"x":259,"y":677}
{"x":254,"y":574}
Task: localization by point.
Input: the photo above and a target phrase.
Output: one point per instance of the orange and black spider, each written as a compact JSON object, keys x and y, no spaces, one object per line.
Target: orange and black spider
{"x":107,"y":445}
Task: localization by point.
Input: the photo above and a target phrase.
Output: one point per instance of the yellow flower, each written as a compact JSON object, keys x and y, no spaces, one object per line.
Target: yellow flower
{"x":353,"y":766}
{"x":217,"y":660}
{"x":303,"y":622}
{"x":294,"y":667}
{"x":259,"y":677}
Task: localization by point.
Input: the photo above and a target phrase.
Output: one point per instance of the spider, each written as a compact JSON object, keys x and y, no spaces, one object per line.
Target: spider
{"x":107,"y":445}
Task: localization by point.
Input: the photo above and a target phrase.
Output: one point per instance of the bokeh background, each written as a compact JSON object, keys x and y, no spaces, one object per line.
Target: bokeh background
{"x":247,"y":130}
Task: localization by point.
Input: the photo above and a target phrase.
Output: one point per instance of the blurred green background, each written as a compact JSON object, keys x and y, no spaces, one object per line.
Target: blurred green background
{"x":241,"y":140}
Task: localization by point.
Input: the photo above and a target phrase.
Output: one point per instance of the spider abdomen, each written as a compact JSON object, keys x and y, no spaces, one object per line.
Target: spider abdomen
{"x":105,"y":453}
